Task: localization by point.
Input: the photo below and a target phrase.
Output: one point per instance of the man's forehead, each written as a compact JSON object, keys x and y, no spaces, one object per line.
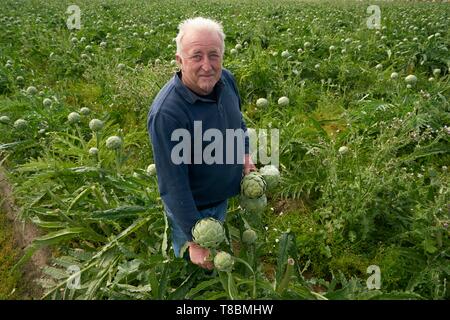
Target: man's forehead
{"x":201,"y":40}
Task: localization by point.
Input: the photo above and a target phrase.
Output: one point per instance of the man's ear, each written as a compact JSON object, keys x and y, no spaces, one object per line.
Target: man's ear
{"x":179,"y":60}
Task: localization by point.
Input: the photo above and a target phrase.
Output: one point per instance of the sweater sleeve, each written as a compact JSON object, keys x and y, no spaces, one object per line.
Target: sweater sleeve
{"x":173,"y":179}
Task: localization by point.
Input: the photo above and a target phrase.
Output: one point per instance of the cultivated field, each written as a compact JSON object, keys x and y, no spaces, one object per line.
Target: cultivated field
{"x":362,"y":208}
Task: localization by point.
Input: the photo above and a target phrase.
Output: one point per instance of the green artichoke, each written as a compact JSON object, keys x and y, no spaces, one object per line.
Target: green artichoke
{"x":114,"y":142}
{"x":85,"y":111}
{"x":223,"y":261}
{"x":20,"y":124}
{"x":151,"y":169}
{"x":96,"y":125}
{"x":208,"y":233}
{"x":253,"y":185}
{"x":253,"y":205}
{"x":74,"y":117}
{"x":5,"y":119}
{"x":249,"y":236}
{"x":271,"y":175}
{"x":31,"y":90}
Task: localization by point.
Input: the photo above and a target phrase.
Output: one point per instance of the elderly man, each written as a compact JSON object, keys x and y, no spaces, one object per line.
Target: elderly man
{"x":202,"y":99}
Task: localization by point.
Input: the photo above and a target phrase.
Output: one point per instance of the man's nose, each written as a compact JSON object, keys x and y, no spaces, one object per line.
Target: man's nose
{"x":206,"y":65}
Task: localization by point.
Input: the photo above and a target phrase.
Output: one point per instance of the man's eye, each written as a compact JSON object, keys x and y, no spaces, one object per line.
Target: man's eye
{"x":214,"y":56}
{"x":197,"y":57}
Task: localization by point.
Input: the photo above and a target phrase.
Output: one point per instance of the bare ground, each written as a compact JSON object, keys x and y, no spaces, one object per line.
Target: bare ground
{"x":24,"y":233}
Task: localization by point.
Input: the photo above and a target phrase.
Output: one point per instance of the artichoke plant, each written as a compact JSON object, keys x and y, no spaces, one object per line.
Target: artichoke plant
{"x":253,"y":185}
{"x":208,"y":233}
{"x":223,"y":261}
{"x":271,"y":175}
{"x":255,"y":206}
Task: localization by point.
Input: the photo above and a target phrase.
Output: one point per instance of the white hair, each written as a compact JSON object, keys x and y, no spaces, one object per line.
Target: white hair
{"x":199,"y":23}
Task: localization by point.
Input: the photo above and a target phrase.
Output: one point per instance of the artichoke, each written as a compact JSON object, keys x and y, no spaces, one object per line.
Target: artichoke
{"x":113,"y":142}
{"x":262,"y":103}
{"x":85,"y":111}
{"x":96,"y":125}
{"x":271,"y":175}
{"x":74,"y":117}
{"x":283,"y":101}
{"x":47,"y":102}
{"x":411,"y":79}
{"x":249,"y":236}
{"x":253,"y":185}
{"x":253,"y":205}
{"x":151,"y":169}
{"x":223,"y":261}
{"x":20,"y":124}
{"x":31,"y":90}
{"x":208,"y":233}
{"x":93,"y":151}
{"x":5,"y":119}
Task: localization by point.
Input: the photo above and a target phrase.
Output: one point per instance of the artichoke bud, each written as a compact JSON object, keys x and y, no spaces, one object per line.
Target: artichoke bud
{"x":253,"y":185}
{"x":271,"y":176}
{"x":249,"y":236}
{"x":223,"y":261}
{"x":208,"y":233}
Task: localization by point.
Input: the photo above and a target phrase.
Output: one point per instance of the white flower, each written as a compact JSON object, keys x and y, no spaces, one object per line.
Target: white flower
{"x":394,"y":75}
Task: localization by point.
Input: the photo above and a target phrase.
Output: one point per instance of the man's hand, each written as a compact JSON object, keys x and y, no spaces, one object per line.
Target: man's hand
{"x":200,"y":256}
{"x":248,"y":165}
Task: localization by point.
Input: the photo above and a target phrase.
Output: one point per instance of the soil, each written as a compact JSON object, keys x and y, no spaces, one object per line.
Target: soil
{"x":24,"y":233}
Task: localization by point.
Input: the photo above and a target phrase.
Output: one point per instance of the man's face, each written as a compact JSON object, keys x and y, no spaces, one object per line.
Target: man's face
{"x":200,"y":61}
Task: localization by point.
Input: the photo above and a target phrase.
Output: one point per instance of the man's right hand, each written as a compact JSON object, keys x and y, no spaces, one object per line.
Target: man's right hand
{"x":200,"y":256}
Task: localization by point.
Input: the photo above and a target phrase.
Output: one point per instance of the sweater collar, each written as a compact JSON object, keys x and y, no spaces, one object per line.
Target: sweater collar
{"x":190,"y":96}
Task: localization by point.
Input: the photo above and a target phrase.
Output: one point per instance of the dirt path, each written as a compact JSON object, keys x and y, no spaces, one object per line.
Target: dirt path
{"x":24,"y":233}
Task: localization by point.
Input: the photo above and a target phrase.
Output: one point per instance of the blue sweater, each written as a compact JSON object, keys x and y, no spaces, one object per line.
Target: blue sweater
{"x":196,"y":181}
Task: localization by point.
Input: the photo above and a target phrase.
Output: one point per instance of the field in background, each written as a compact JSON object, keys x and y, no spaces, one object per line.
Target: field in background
{"x":364,"y":149}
